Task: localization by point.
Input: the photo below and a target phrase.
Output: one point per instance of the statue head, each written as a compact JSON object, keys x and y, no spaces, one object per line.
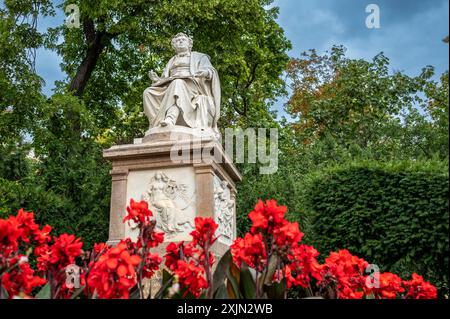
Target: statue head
{"x":182,"y":42}
{"x":158,"y":176}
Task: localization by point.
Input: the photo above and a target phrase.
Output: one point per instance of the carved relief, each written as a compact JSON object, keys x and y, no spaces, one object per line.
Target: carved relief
{"x":169,"y":201}
{"x":224,"y":211}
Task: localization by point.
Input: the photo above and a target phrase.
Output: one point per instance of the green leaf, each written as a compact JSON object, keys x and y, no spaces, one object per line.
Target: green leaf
{"x":221,"y":292}
{"x":167,"y":282}
{"x":135,"y":293}
{"x":233,"y":279}
{"x":276,"y":290}
{"x":247,"y":283}
{"x":44,"y":293}
{"x":77,"y":292}
{"x":3,"y":293}
{"x":221,"y":269}
{"x":272,"y":267}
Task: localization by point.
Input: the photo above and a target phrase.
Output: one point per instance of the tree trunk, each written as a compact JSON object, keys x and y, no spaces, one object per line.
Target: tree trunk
{"x":88,"y":64}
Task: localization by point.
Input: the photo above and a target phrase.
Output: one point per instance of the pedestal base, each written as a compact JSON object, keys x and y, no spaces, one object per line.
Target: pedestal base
{"x":182,"y":173}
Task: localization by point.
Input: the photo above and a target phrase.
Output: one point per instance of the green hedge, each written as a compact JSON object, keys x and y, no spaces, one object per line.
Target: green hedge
{"x":58,"y":211}
{"x":394,"y":215}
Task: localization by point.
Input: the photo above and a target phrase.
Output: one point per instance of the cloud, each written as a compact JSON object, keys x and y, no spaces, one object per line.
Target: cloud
{"x":411,"y":32}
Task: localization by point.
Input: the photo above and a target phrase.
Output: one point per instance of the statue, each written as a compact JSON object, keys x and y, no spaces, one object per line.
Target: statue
{"x":224,"y":208}
{"x":187,"y":93}
{"x":161,"y":195}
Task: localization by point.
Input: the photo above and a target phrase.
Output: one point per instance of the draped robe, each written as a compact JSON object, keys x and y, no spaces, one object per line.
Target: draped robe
{"x":197,"y":98}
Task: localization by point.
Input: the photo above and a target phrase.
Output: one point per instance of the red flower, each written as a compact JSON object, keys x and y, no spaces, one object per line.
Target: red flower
{"x":114,"y":273}
{"x":152,"y":263}
{"x":9,"y":234}
{"x":63,"y":252}
{"x":304,"y":264}
{"x":190,"y":273}
{"x":22,"y":227}
{"x":191,"y":276}
{"x":174,"y":252}
{"x":42,"y":237}
{"x":100,"y":248}
{"x":155,"y":239}
{"x":389,"y":286}
{"x":20,"y":279}
{"x":417,"y":288}
{"x":27,"y":225}
{"x":203,"y":234}
{"x":287,"y":234}
{"x":347,"y":272}
{"x":250,"y":250}
{"x":266,"y":215}
{"x":138,"y":212}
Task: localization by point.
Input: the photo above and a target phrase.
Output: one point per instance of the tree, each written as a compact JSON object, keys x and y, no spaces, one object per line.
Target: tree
{"x":100,"y":102}
{"x":107,"y":59}
{"x":361,"y":105}
{"x":20,"y":86}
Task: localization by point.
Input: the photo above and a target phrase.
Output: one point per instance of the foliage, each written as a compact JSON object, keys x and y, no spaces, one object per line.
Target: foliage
{"x":20,"y":86}
{"x":361,"y":104}
{"x":127,"y":39}
{"x":348,"y":110}
{"x":394,"y":214}
{"x":68,"y":177}
{"x":100,"y":103}
{"x":50,"y":208}
{"x":265,"y":263}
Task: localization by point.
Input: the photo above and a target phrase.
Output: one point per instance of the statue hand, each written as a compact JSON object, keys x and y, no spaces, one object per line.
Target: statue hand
{"x":153,"y":76}
{"x":202,"y":74}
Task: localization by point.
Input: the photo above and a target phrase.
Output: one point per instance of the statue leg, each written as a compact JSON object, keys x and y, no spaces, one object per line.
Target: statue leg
{"x":152,"y":100}
{"x":171,"y":116}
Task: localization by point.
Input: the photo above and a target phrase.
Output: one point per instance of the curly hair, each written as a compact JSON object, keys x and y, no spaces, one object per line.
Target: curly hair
{"x":179,"y":35}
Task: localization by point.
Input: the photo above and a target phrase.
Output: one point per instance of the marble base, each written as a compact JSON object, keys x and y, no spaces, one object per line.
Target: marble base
{"x":202,"y":182}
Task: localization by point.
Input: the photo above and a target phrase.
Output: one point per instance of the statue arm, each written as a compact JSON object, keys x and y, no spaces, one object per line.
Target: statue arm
{"x":206,"y":69}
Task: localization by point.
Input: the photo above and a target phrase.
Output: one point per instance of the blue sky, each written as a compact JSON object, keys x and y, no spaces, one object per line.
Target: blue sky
{"x":410,"y":33}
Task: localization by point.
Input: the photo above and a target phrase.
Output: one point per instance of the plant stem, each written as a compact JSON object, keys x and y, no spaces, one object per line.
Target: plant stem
{"x":209,"y":278}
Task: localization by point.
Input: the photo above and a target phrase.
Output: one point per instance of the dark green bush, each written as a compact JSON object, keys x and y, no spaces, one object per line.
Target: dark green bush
{"x":57,"y":211}
{"x":395,"y":216}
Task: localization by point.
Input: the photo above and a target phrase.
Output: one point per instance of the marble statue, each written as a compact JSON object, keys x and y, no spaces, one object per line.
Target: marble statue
{"x":188,"y":91}
{"x":224,"y":208}
{"x":161,"y":195}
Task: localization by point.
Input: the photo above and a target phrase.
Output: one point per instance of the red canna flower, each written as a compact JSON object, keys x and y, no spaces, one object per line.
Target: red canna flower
{"x":303,"y":265}
{"x":9,"y":235}
{"x":63,"y":252}
{"x":114,"y":274}
{"x":100,"y":248}
{"x":138,"y":212}
{"x":191,"y":276}
{"x":287,"y":234}
{"x":417,"y":288}
{"x":347,"y":272}
{"x":155,"y":238}
{"x":152,"y":263}
{"x":266,"y":216}
{"x":203,"y":234}
{"x":21,"y":278}
{"x":250,"y":250}
{"x":42,"y":237}
{"x":27,"y":225}
{"x":389,"y":286}
{"x":174,"y":252}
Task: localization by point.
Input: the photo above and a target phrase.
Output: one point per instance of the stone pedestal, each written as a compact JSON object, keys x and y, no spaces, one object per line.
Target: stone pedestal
{"x":182,"y":173}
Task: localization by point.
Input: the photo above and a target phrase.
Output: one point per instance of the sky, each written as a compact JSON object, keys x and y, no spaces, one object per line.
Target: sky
{"x":410,"y":33}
